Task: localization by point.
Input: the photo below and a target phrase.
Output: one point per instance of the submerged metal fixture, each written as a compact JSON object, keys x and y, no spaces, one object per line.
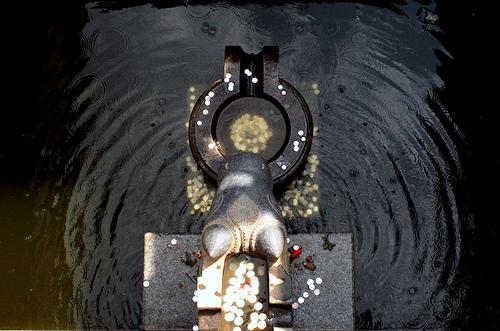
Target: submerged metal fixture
{"x":248,"y":131}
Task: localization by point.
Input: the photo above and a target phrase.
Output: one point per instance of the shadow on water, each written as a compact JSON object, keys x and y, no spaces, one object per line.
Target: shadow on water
{"x":99,"y":155}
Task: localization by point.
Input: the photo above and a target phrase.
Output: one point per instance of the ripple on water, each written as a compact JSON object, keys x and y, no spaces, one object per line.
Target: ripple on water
{"x":198,"y":12}
{"x":110,"y":43}
{"x":87,"y":44}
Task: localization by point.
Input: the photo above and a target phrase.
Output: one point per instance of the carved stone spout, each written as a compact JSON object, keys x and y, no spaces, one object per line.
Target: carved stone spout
{"x":244,"y":219}
{"x":245,"y":216}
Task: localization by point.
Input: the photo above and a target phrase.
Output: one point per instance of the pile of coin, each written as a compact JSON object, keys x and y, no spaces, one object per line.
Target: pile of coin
{"x":301,"y":198}
{"x":199,"y":194}
{"x":250,"y":133}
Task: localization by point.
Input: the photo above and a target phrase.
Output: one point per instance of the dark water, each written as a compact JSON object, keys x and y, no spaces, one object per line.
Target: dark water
{"x":94,"y":145}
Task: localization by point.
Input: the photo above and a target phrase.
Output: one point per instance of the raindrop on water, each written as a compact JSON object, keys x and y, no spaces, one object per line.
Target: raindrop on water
{"x":212,"y":31}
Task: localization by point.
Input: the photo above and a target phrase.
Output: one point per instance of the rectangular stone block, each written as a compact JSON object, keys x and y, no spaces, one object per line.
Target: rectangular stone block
{"x":168,"y":304}
{"x":167,"y":298}
{"x":332,"y":309}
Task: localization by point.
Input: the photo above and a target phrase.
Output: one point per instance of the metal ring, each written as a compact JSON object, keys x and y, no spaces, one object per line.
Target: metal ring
{"x":204,"y":144}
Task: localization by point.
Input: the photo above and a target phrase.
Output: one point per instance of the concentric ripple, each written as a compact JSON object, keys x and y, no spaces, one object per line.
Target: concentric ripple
{"x":389,"y":167}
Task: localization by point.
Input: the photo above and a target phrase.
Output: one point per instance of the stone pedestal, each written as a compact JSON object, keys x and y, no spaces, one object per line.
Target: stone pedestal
{"x":169,"y":283}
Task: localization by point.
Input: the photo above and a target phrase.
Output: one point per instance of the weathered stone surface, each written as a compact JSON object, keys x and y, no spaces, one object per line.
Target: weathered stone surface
{"x":209,"y":320}
{"x":280,"y":286}
{"x":333,"y":308}
{"x":167,"y":301}
{"x":281,"y":316}
{"x":168,"y":305}
{"x":210,"y":283}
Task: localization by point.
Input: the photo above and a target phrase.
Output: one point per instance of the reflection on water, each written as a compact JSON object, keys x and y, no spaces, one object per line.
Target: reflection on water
{"x":113,"y":160}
